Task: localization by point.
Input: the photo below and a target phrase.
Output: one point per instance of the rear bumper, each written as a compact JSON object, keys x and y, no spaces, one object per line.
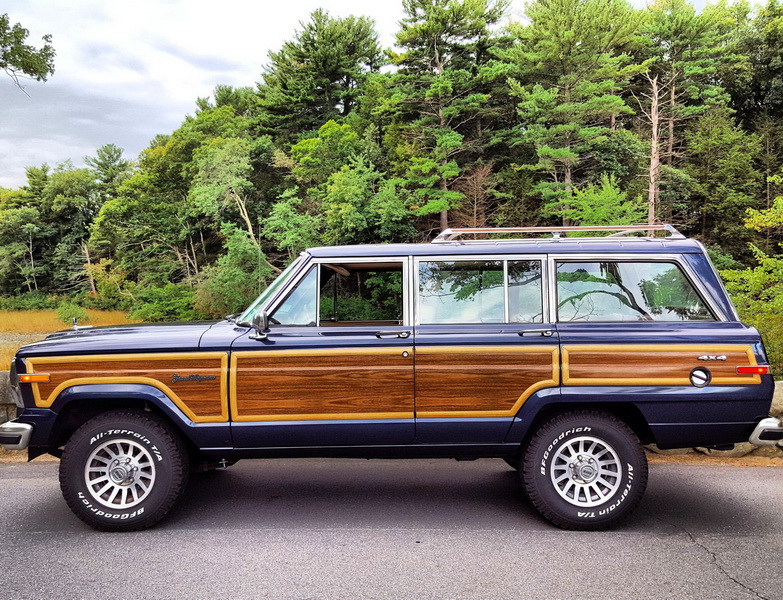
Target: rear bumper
{"x":14,"y":435}
{"x":768,"y":432}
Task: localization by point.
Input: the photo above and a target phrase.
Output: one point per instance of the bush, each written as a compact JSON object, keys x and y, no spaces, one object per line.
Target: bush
{"x":758,"y":295}
{"x":30,"y":301}
{"x":172,"y":302}
{"x":68,"y":311}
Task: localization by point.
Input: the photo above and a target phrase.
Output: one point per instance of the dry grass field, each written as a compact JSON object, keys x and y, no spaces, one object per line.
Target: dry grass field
{"x":22,"y":327}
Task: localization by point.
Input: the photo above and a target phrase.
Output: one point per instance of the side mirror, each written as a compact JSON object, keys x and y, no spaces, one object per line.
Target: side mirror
{"x":261,"y":326}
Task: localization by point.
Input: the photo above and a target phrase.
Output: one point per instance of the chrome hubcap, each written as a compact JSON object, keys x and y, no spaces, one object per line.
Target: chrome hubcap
{"x":586,"y":471}
{"x":119,"y":474}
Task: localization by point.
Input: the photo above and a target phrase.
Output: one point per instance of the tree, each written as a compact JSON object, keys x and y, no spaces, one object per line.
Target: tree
{"x":574,"y":55}
{"x":19,"y":59}
{"x":726,"y":183}
{"x":318,"y":75}
{"x":110,"y":169}
{"x":438,"y":94}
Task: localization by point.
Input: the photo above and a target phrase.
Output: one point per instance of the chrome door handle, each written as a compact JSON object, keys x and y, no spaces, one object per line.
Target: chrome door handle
{"x":543,"y":332}
{"x":392,"y":334}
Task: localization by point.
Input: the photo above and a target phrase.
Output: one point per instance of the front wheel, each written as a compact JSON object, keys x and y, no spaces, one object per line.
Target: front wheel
{"x":123,"y":471}
{"x":585,"y":470}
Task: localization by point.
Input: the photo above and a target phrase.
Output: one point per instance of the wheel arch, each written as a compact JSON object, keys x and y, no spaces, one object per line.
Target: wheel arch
{"x":530,"y":418}
{"x":78,"y":404}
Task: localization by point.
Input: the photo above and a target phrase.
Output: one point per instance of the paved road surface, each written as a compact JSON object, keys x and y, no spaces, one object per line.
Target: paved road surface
{"x":352,"y":529}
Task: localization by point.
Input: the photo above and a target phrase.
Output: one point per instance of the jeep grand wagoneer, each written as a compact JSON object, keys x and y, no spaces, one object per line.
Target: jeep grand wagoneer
{"x":561,"y":354}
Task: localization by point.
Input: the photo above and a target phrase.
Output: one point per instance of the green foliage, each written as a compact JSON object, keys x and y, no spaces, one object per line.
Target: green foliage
{"x":171,"y":302}
{"x":29,"y":301}
{"x":758,"y":295}
{"x":575,"y":53}
{"x":238,"y":276}
{"x":68,"y":311}
{"x":604,"y":204}
{"x":18,"y":58}
{"x":318,"y":75}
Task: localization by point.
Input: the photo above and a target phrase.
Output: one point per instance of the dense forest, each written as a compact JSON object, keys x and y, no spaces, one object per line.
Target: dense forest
{"x":583,"y":112}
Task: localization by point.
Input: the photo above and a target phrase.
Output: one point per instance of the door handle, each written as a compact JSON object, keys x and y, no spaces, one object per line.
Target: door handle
{"x":381,"y":335}
{"x":543,"y":332}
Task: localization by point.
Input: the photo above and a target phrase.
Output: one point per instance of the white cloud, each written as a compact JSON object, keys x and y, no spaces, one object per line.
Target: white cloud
{"x":125,"y":72}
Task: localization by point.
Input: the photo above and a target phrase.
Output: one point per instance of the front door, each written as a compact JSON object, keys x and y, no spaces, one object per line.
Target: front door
{"x":336,"y":368}
{"x":484,"y":346}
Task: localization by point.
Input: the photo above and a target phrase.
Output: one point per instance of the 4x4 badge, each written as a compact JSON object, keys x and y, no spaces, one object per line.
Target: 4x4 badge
{"x":712,"y":357}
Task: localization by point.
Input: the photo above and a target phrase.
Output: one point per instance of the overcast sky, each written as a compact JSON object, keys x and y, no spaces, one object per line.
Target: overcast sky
{"x":127,"y":71}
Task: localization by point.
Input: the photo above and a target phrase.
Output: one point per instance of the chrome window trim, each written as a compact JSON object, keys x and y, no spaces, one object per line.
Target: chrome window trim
{"x":541,"y":258}
{"x":285,"y":292}
{"x":717,"y":313}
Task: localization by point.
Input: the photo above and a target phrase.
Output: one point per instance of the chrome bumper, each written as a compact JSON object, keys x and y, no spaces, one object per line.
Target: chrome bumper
{"x":768,"y":432}
{"x":15,"y":436}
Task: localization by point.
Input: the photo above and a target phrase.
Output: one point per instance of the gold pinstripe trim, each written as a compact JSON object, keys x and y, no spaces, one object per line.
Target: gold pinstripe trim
{"x":620,"y":349}
{"x":31,"y":363}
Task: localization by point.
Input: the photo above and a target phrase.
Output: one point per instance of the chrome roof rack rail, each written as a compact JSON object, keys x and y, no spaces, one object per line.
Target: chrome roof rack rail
{"x":451,"y":235}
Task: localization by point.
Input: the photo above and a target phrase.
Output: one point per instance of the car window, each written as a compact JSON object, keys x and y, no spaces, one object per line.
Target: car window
{"x":353,"y":294}
{"x":525,"y":302}
{"x":476,"y":292}
{"x":627,"y":291}
{"x":299,"y":308}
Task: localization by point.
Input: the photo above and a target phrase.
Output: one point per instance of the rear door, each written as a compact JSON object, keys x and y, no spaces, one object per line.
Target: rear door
{"x":484,"y":345}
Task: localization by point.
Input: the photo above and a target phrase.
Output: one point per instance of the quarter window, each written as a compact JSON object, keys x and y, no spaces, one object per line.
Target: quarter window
{"x":627,"y":291}
{"x":299,"y":308}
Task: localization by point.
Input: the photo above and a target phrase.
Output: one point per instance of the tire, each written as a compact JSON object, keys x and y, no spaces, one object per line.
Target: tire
{"x":123,"y":471}
{"x":584,"y":470}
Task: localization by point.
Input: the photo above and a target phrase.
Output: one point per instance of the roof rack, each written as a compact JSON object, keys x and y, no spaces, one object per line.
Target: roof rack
{"x":451,"y":235}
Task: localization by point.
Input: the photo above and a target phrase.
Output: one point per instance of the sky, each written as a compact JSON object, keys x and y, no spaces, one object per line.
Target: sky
{"x":127,"y":71}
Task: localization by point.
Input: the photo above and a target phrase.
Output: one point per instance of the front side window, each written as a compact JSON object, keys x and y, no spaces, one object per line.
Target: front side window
{"x":488,"y":291}
{"x":353,"y":294}
{"x":627,"y":291}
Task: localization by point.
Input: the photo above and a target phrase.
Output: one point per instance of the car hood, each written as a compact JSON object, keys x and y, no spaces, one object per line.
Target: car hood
{"x":168,"y":337}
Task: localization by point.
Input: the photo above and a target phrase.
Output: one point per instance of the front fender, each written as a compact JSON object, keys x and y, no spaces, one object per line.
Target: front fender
{"x":110,"y":395}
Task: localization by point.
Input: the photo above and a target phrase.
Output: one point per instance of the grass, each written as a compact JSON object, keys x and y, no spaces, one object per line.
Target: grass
{"x":18,"y":328}
{"x":45,"y":321}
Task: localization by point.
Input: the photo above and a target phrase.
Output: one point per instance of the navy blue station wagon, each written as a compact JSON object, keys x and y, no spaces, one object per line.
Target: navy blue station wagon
{"x":561,"y":354}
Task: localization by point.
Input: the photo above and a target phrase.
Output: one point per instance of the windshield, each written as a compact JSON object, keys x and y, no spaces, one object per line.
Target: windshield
{"x":259,"y":302}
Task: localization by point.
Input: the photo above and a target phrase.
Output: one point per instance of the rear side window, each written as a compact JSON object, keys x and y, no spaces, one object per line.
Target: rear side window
{"x":482,"y":291}
{"x":627,"y":291}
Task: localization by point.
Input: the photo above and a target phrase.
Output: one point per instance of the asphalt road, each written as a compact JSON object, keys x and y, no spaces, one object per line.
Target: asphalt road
{"x":353,"y":529}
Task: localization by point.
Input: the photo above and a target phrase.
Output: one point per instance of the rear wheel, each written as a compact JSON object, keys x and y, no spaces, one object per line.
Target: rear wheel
{"x":585,"y":470}
{"x":123,"y":471}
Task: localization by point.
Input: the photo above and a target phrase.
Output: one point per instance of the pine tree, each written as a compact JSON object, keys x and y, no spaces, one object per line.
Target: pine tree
{"x":572,"y":63}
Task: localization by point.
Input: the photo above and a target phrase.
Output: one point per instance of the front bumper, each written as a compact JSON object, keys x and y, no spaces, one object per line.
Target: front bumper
{"x":768,"y":432}
{"x":14,"y":435}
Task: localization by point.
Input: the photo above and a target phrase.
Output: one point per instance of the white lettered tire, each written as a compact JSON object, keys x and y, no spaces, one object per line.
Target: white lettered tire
{"x":584,"y":470}
{"x":123,"y":470}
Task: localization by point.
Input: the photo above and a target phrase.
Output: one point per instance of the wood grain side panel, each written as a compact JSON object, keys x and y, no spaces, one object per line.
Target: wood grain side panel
{"x":202,"y":400}
{"x":310,"y":385}
{"x":664,"y":364}
{"x":482,"y":382}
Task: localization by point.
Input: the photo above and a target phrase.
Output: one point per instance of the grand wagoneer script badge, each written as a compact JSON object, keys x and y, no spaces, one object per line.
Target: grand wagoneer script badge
{"x":177,"y":378}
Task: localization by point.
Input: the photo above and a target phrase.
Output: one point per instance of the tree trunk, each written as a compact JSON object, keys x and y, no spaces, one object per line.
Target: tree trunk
{"x":672,"y":109}
{"x":655,"y":153}
{"x":86,"y":251}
